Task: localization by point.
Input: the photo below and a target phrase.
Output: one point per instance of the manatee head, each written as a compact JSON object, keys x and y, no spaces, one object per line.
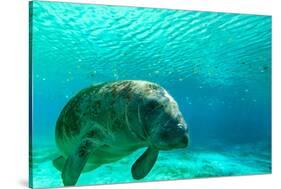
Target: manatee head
{"x":163,"y":121}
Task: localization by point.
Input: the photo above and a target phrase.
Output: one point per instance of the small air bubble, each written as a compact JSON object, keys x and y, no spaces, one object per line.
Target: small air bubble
{"x":44,"y":79}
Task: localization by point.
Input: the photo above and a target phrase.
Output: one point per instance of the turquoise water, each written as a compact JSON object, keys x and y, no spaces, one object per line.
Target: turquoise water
{"x":217,"y":66}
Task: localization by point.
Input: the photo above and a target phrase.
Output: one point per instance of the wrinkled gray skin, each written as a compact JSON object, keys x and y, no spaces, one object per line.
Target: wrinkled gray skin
{"x":106,"y":122}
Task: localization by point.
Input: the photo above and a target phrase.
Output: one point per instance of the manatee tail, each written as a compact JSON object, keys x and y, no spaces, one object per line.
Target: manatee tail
{"x":59,"y":163}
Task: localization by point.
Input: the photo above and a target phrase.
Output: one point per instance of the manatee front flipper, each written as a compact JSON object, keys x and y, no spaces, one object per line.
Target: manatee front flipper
{"x":76,"y":162}
{"x":144,"y":163}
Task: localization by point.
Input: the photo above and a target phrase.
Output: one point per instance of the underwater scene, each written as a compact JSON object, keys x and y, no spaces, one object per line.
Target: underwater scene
{"x":209,"y":72}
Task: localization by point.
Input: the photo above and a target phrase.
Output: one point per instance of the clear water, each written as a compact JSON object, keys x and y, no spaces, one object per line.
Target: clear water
{"x":217,"y":66}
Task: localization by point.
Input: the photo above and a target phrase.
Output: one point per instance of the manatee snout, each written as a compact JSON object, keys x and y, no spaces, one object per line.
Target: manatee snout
{"x":183,"y":142}
{"x":185,"y":137}
{"x":180,"y":136}
{"x":173,"y":135}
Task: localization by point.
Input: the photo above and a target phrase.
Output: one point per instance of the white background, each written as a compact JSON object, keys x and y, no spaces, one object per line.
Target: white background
{"x":14,"y":92}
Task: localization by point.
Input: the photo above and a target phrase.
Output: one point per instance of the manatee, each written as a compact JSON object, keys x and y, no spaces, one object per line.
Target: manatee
{"x":106,"y":122}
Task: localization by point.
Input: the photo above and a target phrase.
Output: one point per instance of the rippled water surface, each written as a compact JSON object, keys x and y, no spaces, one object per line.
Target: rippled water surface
{"x":217,"y":66}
